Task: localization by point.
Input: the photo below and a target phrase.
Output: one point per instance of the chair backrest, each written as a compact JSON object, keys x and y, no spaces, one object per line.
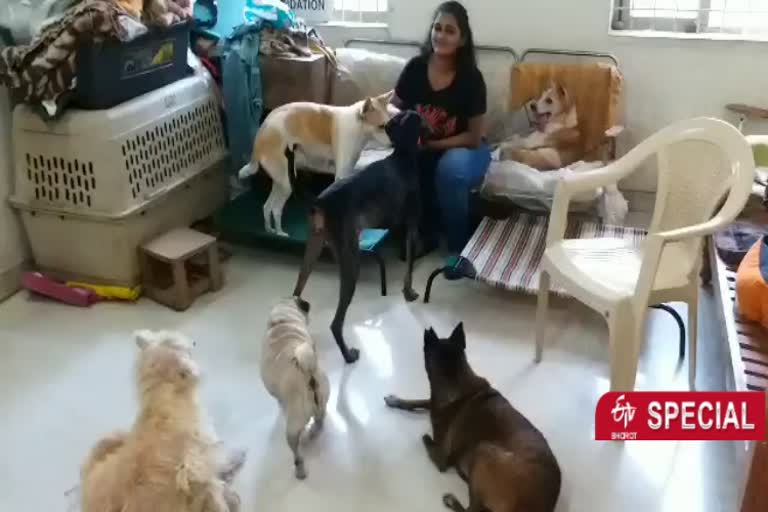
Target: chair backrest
{"x":706,"y":170}
{"x":597,"y":90}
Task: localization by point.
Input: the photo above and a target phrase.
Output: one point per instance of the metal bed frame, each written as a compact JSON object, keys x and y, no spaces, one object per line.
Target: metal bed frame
{"x":411,"y":43}
{"x":517,"y":57}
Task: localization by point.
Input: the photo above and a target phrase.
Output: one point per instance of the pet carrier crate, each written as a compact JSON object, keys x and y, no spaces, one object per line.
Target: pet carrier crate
{"x":94,"y":185}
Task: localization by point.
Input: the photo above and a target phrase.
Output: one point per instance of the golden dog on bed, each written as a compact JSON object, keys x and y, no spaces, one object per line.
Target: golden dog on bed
{"x":556,"y":142}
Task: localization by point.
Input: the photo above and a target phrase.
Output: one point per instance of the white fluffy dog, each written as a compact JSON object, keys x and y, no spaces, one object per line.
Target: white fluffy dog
{"x":170,"y":460}
{"x":291,"y":374}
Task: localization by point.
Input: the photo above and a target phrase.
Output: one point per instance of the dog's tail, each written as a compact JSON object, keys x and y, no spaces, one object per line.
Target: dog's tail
{"x":293,"y":177}
{"x":248,"y":170}
{"x":306,"y":361}
{"x":103,"y":449}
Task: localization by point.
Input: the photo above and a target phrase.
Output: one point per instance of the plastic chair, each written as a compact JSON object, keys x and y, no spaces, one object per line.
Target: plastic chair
{"x":700,"y":162}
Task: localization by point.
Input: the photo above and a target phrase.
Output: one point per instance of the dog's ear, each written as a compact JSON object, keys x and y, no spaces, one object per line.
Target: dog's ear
{"x":552,"y":84}
{"x":302,"y":305}
{"x":367,"y":106}
{"x":144,"y":338}
{"x":458,"y":337}
{"x":430,"y":336}
{"x":562,"y":91}
{"x":386,"y":97}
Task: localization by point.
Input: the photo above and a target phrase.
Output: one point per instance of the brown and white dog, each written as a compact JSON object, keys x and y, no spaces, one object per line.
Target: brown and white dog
{"x":556,"y":142}
{"x":325,"y":131}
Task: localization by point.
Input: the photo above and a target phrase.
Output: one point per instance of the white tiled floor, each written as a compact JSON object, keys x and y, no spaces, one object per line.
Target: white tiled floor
{"x":65,"y":379}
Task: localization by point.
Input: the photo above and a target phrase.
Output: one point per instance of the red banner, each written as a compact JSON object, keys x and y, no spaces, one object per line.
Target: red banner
{"x":681,"y":415}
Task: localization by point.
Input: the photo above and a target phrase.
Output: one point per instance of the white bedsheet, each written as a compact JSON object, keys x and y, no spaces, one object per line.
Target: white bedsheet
{"x":534,"y":189}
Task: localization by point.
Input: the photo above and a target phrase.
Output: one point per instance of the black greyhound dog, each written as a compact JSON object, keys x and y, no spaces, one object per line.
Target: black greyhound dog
{"x":384,"y":194}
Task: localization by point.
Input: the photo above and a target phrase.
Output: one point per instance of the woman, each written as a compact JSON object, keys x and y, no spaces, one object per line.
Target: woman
{"x":445,"y":86}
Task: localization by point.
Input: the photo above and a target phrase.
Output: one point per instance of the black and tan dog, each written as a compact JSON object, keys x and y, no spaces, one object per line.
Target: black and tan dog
{"x":384,"y":194}
{"x":505,"y":460}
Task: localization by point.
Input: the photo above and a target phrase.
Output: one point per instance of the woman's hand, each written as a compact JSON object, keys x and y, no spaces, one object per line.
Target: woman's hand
{"x":472,"y":138}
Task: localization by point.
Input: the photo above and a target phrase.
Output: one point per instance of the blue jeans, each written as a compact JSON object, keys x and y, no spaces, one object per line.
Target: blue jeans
{"x":445,"y":194}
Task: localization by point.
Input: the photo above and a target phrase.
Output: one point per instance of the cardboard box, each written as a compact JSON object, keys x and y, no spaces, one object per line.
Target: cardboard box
{"x":286,"y":80}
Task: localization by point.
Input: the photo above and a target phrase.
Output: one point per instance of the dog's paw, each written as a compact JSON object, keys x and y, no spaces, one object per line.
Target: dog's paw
{"x":410,"y":295}
{"x":280,"y":232}
{"x":450,"y":501}
{"x":233,"y":465}
{"x":301,"y":473}
{"x":316,"y":428}
{"x":392,"y":401}
{"x":352,"y":355}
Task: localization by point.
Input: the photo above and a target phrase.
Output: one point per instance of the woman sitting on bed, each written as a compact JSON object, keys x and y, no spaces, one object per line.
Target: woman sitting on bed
{"x":446,"y":87}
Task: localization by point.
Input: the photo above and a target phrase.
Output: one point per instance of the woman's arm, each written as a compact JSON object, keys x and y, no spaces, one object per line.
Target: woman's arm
{"x":472,"y":138}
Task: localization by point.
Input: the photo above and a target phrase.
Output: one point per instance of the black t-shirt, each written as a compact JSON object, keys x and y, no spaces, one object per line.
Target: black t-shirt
{"x":448,"y":110}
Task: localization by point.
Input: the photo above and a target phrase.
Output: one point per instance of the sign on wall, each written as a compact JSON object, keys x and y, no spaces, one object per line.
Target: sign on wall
{"x":314,"y":11}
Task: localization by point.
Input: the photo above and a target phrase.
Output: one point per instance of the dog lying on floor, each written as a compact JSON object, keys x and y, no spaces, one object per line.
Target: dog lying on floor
{"x":384,"y":194}
{"x":556,"y":142}
{"x":170,"y":460}
{"x":505,"y":460}
{"x":290,"y":372}
{"x":330,"y":132}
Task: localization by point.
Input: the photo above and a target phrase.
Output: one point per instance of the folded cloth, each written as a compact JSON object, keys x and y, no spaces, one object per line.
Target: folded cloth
{"x":298,"y":40}
{"x":44,"y":72}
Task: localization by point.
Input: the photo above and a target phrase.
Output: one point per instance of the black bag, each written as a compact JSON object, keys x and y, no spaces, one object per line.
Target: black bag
{"x":733,"y":242}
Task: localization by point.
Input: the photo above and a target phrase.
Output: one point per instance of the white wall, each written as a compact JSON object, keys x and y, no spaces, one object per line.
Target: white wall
{"x":13,"y":248}
{"x":665,"y":79}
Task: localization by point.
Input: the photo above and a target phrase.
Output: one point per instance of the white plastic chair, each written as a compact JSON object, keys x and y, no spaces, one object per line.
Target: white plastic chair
{"x":700,"y":162}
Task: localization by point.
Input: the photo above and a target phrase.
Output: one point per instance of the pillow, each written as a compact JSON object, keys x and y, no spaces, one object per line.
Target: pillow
{"x":532,"y":189}
{"x":504,"y":125}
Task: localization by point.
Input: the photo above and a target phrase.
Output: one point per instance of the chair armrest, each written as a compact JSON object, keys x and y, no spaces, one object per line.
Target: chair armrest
{"x":585,"y":181}
{"x":600,"y":177}
{"x":614,"y":131}
{"x":757,"y":140}
{"x":703,"y":229}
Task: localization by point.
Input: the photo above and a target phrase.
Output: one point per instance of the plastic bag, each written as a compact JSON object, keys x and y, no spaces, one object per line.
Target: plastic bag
{"x":274,"y":12}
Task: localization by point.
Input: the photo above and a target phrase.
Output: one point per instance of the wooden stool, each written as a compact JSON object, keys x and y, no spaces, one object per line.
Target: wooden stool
{"x":176,"y":249}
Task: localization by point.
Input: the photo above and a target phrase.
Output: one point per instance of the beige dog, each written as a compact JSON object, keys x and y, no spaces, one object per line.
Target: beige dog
{"x":291,"y":374}
{"x":556,"y":142}
{"x":322,"y":131}
{"x":170,"y":460}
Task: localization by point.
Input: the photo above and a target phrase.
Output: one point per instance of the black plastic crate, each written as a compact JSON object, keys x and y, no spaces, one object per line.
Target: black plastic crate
{"x":111,"y":72}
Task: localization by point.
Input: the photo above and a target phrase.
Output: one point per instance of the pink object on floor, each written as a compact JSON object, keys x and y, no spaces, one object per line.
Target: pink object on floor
{"x":38,"y":283}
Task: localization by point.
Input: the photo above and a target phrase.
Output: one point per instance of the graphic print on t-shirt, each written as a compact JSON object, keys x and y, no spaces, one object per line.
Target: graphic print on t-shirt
{"x":438,"y":119}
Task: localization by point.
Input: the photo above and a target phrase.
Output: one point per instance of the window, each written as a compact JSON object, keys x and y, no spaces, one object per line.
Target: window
{"x":360,"y":11}
{"x":732,"y":17}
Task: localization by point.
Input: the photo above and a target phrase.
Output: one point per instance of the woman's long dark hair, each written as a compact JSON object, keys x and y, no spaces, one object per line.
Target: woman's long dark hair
{"x":465,"y":54}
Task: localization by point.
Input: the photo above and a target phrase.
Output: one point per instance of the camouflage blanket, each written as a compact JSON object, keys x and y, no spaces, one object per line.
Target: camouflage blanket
{"x":44,"y":73}
{"x":298,"y":41}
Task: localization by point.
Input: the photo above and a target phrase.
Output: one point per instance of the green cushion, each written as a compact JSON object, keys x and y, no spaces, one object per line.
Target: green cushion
{"x":242,"y":220}
{"x":761,"y":155}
